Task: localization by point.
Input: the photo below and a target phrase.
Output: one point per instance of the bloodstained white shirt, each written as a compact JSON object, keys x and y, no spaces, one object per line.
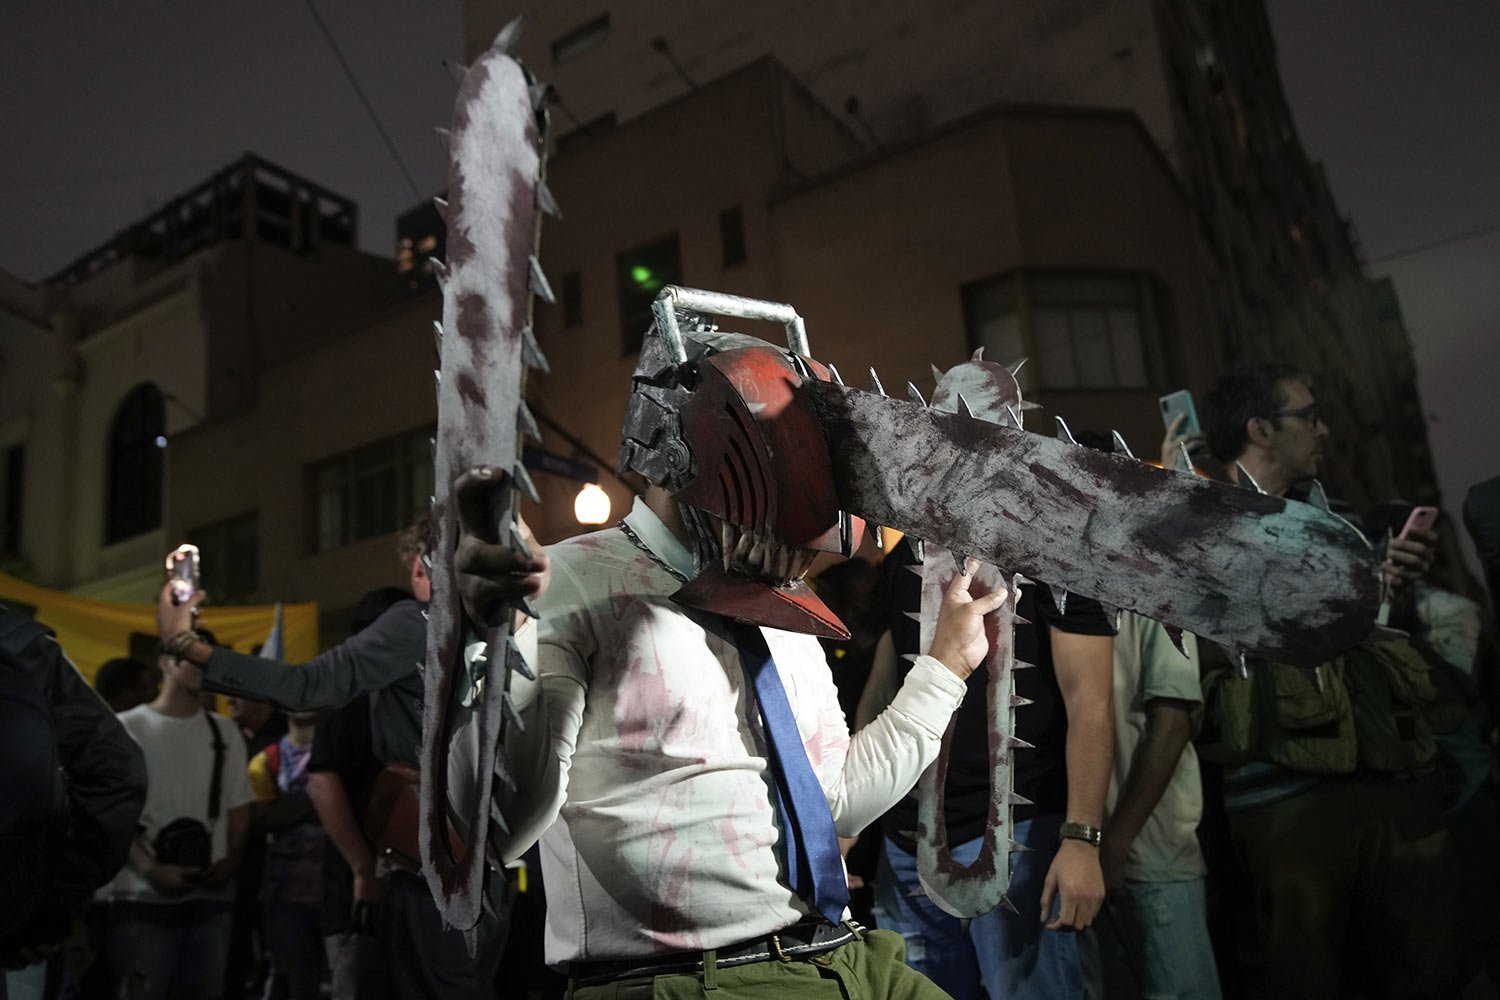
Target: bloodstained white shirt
{"x":645,"y":745}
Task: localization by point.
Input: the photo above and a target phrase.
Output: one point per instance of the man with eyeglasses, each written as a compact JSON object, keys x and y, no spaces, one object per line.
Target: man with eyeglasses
{"x":1330,"y":781}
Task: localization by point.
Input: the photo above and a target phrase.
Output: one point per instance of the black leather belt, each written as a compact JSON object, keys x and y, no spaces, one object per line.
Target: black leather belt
{"x":800,"y":941}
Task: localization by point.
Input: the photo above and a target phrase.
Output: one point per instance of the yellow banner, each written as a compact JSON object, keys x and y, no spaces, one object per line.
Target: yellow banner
{"x":92,"y":632}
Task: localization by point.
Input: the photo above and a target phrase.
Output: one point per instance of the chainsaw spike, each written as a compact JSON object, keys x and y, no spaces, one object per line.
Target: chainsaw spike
{"x":1384,"y":633}
{"x":514,"y":659}
{"x":526,"y":423}
{"x":518,"y":542}
{"x":457,"y":70}
{"x":1027,"y":404}
{"x":915,"y":616}
{"x":1016,"y":847}
{"x":438,"y":268}
{"x":964,"y":410}
{"x":531,"y":352}
{"x":910,"y":657}
{"x":1246,"y":479}
{"x":441,"y":204}
{"x":937,"y":373}
{"x":978,"y":354}
{"x":1243,"y":666}
{"x":1184,"y":460}
{"x":1016,"y":799}
{"x":875,"y":382}
{"x":833,"y":373}
{"x":539,"y":285}
{"x":427,"y":559}
{"x":509,"y":708}
{"x":1021,"y":621}
{"x":445,"y":137}
{"x":541,"y":95}
{"x":523,"y":482}
{"x":1015,"y":415}
{"x":1176,"y":635}
{"x":1015,"y":366}
{"x":437,"y":336}
{"x":1016,"y":701}
{"x":509,"y":35}
{"x":1021,"y":665}
{"x":546,"y":201}
{"x":528,"y":609}
{"x":1061,"y":599}
{"x":1019,"y":744}
{"x":915,"y":394}
{"x":914,"y":568}
{"x":1005,"y":902}
{"x":1120,"y":446}
{"x":1063,"y":433}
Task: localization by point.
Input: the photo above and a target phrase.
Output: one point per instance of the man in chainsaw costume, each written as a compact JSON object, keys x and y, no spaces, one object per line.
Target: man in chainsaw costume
{"x":696,"y":759}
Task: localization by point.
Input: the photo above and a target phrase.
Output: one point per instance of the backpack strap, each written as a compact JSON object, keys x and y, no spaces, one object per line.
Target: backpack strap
{"x":216,"y":783}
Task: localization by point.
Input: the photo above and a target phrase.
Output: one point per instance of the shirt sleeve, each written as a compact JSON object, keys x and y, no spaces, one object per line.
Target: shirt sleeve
{"x":1165,"y":672}
{"x":388,"y":650}
{"x":551,"y":709}
{"x":1079,"y":615}
{"x":262,"y":781}
{"x":874,"y":769}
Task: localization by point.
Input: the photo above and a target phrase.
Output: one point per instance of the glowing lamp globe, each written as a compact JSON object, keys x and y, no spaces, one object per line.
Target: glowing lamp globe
{"x":591,"y":506}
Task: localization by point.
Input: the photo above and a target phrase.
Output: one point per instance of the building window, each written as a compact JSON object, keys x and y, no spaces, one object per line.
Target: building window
{"x":586,"y":133}
{"x":1088,"y":332}
{"x":1083,"y":331}
{"x":643,"y":272}
{"x":370,"y":491}
{"x":12,"y":494}
{"x":229,"y":558}
{"x":732,"y":236}
{"x":572,"y":298}
{"x":580,"y":39}
{"x":993,"y":320}
{"x":133,"y":499}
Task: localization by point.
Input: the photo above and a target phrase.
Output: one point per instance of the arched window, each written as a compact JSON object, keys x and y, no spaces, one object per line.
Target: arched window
{"x":135,"y":465}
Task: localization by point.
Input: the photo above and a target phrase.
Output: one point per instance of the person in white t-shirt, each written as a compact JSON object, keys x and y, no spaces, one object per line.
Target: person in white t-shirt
{"x":170,"y":906}
{"x":1153,"y":868}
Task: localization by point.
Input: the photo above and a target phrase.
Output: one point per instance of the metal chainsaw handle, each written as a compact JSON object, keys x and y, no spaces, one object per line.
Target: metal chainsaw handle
{"x":674,"y":297}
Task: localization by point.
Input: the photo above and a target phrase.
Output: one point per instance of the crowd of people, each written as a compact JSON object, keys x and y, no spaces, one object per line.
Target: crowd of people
{"x":1186,"y":823}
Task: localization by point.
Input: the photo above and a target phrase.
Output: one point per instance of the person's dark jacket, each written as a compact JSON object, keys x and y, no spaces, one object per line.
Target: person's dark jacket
{"x":103,"y":772}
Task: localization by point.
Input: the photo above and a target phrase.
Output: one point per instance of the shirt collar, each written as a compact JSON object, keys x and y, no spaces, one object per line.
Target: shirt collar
{"x":648,"y":527}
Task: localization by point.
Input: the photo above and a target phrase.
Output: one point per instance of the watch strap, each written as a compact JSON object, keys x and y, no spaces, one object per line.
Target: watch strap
{"x":1080,"y":831}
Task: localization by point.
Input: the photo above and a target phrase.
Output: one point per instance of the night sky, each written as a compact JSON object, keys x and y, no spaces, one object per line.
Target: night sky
{"x":111,"y":109}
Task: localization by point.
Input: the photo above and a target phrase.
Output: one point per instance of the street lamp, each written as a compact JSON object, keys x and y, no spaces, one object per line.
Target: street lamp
{"x":591,"y":506}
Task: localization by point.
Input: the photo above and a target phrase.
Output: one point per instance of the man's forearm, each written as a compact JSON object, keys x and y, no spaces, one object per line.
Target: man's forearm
{"x":326,"y":789}
{"x":1085,"y":676}
{"x":1168,"y":728}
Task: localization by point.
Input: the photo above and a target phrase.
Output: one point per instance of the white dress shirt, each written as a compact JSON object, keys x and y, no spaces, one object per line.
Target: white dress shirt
{"x":643,"y":741}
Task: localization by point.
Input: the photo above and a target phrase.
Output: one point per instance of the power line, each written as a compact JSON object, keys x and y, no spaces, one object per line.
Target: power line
{"x":1434,"y":244}
{"x":359,"y":92}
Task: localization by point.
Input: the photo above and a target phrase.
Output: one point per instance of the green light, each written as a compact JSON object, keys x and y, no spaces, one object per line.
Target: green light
{"x":641,"y":274}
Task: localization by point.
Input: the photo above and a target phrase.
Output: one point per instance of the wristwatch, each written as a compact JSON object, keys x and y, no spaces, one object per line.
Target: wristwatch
{"x":1080,"y":831}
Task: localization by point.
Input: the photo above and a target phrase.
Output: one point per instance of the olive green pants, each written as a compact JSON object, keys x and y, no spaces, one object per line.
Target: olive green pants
{"x":873,"y":968}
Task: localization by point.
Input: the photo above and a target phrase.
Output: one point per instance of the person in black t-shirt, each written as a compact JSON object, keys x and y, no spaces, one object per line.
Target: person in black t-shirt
{"x":1056,"y":885}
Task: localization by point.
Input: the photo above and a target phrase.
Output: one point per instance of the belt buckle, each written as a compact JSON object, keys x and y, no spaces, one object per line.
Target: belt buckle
{"x":781,"y":956}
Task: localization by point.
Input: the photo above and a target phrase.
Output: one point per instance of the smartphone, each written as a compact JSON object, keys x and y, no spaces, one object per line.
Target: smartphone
{"x":1421,"y":518}
{"x":1180,"y":404}
{"x":182,"y":570}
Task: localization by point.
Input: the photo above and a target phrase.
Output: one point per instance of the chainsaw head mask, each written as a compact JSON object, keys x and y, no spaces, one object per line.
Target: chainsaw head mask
{"x":716,"y":419}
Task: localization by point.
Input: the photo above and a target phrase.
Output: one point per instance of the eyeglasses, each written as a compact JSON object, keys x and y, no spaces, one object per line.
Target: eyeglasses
{"x":1308,"y":413}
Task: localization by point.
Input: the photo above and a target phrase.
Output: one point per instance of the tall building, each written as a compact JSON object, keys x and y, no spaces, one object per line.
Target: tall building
{"x":1278,"y":268}
{"x":169,"y":326}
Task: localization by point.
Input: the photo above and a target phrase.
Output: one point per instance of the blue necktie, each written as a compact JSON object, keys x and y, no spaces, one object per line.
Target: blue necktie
{"x":813,"y":863}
